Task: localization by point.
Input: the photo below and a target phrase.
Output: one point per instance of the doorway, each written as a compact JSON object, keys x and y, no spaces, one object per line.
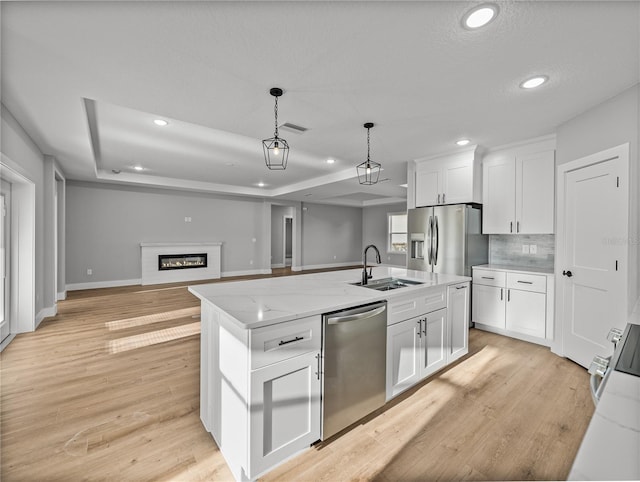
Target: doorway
{"x":287,"y":236}
{"x":592,"y":252}
{"x":5,"y":260}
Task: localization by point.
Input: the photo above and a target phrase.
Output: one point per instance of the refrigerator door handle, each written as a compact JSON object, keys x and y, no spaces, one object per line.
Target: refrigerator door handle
{"x":430,"y":241}
{"x":435,"y":254}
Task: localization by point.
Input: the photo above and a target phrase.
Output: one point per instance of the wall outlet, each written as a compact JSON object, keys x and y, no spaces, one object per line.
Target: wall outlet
{"x":187,"y":219}
{"x":525,"y":249}
{"x":533,"y":249}
{"x":335,"y":257}
{"x":89,"y":271}
{"x":250,"y":261}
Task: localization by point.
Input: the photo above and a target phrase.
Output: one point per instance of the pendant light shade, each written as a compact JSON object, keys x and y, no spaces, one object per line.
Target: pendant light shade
{"x":276,"y":149}
{"x":368,"y":171}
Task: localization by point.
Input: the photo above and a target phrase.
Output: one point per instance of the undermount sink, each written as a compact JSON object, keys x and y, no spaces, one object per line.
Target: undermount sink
{"x":386,"y":284}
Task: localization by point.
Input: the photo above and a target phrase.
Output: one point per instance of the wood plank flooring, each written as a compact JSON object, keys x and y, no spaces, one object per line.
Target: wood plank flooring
{"x":109,"y":390}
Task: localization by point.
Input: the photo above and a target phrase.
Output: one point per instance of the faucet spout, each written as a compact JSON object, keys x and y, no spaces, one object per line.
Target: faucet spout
{"x":366,"y":276}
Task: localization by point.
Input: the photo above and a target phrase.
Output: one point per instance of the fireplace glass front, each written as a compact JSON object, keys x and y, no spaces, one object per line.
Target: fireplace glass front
{"x":181,"y":261}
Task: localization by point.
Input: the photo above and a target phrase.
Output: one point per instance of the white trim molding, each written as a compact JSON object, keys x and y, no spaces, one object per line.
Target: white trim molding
{"x":45,"y":313}
{"x":102,"y":284}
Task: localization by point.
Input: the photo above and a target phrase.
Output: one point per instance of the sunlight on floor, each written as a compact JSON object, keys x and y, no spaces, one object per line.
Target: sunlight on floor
{"x":153,"y":338}
{"x":148,"y":319}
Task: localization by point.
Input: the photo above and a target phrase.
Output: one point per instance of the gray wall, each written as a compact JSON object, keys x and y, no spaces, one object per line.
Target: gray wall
{"x":607,"y":125}
{"x":375,"y":231}
{"x":106,"y":224}
{"x":331,"y":235}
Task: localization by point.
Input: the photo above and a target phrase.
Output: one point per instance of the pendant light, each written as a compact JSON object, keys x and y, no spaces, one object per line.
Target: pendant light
{"x":276,"y":149}
{"x":368,"y":171}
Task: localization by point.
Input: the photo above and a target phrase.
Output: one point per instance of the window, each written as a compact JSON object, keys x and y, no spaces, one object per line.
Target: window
{"x":397,"y":233}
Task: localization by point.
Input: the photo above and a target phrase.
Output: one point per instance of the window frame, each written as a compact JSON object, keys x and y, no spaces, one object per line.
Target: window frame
{"x":390,"y":249}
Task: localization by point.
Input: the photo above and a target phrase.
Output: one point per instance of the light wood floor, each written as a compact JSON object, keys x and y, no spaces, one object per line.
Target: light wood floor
{"x":109,"y":390}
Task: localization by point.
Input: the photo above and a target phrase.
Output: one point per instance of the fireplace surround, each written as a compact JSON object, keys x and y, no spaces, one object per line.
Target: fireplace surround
{"x":179,"y":262}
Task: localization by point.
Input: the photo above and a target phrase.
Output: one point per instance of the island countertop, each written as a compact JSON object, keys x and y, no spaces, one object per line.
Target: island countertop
{"x":262,"y":302}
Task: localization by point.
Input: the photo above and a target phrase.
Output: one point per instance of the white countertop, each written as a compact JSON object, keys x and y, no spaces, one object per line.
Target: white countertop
{"x":516,"y":269}
{"x":261,"y":302}
{"x":610,"y":449}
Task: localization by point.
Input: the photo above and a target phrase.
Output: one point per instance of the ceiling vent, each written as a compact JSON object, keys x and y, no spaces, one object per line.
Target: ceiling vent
{"x":289,"y":127}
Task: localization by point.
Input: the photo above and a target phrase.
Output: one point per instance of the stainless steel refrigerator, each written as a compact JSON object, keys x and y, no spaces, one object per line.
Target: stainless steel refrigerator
{"x":446,"y":239}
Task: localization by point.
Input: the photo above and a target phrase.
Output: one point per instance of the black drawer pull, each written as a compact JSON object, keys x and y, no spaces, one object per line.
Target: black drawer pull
{"x":297,"y":338}
{"x":487,"y":277}
{"x":526,"y":282}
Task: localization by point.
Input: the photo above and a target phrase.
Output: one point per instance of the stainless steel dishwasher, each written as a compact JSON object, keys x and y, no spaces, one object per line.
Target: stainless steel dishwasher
{"x":354,"y":360}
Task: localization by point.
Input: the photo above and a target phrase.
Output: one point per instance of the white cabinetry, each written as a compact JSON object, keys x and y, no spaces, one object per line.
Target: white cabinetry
{"x":451,"y":179}
{"x":458,"y":303}
{"x":518,"y":191}
{"x":260,"y":389}
{"x":425,"y":334}
{"x":514,"y":303}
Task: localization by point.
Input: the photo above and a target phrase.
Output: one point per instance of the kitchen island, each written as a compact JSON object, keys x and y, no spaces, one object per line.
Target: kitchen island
{"x":262,"y":354}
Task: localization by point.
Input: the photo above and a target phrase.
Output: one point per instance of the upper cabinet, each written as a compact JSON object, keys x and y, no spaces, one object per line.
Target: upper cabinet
{"x":519,"y":189}
{"x":449,"y":179}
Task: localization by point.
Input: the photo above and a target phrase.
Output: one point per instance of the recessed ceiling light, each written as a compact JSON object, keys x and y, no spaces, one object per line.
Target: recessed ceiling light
{"x":330,"y":161}
{"x":160,"y":122}
{"x":480,"y":16}
{"x":463,"y":142}
{"x":138,"y":168}
{"x":261,"y":184}
{"x":534,"y":82}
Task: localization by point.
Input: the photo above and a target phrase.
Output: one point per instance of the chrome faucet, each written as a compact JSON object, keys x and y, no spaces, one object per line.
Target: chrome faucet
{"x":365,"y":276}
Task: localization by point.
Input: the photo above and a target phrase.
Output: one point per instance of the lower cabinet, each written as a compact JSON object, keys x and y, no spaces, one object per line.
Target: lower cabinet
{"x":488,"y":305}
{"x":525,"y":312}
{"x":285,"y":410}
{"x":420,"y":346}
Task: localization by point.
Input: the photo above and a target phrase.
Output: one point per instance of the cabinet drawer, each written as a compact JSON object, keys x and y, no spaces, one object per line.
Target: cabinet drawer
{"x":489,"y":277}
{"x":409,"y":306}
{"x":527,"y":282}
{"x":275,"y":343}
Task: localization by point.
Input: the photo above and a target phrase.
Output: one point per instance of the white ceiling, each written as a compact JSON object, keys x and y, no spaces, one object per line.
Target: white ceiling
{"x":86,"y":80}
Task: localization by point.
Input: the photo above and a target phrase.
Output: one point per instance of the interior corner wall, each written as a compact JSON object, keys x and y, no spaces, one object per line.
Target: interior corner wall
{"x":375,"y":231}
{"x":105,"y":224}
{"x":331,"y":235}
{"x":609,"y":124}
{"x":277,"y":233}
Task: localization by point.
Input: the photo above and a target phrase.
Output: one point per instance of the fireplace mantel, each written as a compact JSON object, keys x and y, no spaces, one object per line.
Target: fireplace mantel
{"x":150,"y":252}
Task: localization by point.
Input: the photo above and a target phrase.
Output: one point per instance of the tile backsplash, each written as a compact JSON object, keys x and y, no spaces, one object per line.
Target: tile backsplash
{"x":507,"y":249}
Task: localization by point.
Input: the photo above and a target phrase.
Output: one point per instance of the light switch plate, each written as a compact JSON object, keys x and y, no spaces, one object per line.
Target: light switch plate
{"x":533,"y":249}
{"x":525,"y":249}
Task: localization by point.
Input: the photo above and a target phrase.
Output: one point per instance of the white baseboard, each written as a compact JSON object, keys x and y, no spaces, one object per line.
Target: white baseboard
{"x":61,"y":296}
{"x":103,"y":284}
{"x":6,"y":341}
{"x":513,"y":334}
{"x":226,"y":274}
{"x":45,"y":313}
{"x":331,"y":265}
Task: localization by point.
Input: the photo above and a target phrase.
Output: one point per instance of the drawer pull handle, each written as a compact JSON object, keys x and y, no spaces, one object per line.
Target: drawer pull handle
{"x":297,"y":338}
{"x":487,"y":277}
{"x":526,"y":282}
{"x":461,"y":287}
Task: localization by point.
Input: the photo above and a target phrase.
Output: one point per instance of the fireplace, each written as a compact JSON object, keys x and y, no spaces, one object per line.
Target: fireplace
{"x":181,"y":261}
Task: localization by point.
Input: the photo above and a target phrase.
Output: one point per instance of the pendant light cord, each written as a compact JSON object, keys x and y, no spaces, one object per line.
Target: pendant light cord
{"x":275,"y":110}
{"x":368,"y":147}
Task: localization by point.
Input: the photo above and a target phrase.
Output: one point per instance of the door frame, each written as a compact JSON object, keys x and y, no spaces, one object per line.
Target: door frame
{"x":284,"y":239}
{"x":23,"y":251}
{"x":620,"y":152}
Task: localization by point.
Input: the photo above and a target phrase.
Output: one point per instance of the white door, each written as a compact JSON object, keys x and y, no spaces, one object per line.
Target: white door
{"x":5,"y":258}
{"x":498,"y":196}
{"x":592,"y":269}
{"x":434,"y":354}
{"x":525,"y":312}
{"x":535,"y":182}
{"x":488,"y":305}
{"x":403,"y":356}
{"x":458,"y":182}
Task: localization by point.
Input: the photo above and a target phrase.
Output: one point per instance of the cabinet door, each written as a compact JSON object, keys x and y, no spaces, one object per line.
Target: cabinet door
{"x":428,"y":186}
{"x":488,"y":307}
{"x":403,"y":356}
{"x":526,"y":312}
{"x":498,"y":196}
{"x":458,"y":321}
{"x":535,"y":181}
{"x":457,"y":182}
{"x":285,"y":411}
{"x":434,"y":340}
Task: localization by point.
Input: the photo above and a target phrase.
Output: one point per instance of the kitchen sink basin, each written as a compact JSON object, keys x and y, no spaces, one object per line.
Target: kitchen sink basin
{"x":386,"y":284}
